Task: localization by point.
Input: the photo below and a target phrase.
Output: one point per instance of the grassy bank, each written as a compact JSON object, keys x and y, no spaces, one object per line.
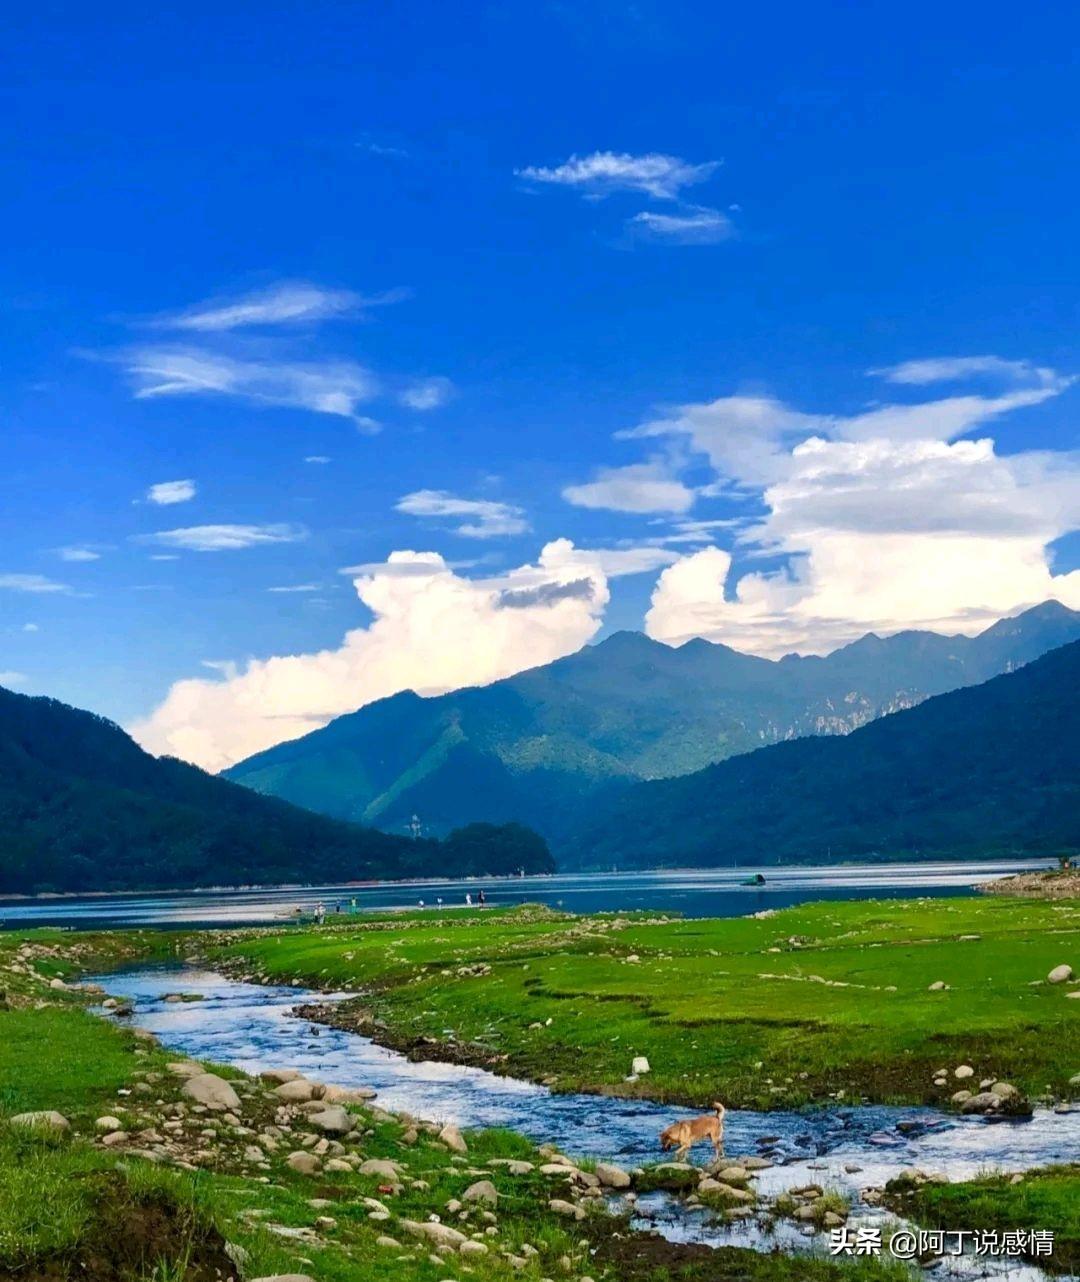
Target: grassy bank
{"x":138,"y":1182}
{"x":1048,"y":1198}
{"x":822,"y":1001}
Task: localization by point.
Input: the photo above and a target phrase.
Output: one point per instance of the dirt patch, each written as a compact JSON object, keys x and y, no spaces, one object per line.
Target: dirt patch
{"x":130,"y":1239}
{"x":646,"y":1257}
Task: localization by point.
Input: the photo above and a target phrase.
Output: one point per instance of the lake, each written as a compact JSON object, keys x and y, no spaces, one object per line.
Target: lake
{"x":709,"y":892}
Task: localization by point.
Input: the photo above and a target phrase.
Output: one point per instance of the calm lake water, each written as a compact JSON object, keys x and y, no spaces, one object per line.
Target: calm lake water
{"x":712,"y":892}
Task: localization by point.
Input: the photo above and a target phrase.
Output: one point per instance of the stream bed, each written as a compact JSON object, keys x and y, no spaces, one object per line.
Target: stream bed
{"x":253,"y":1027}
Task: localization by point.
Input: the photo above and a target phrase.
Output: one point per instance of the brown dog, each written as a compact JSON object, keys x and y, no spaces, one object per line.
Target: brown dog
{"x":682,"y":1136}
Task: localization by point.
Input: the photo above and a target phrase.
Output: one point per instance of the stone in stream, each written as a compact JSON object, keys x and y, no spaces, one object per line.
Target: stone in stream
{"x":612,"y":1176}
{"x":212,"y":1091}
{"x":46,"y":1119}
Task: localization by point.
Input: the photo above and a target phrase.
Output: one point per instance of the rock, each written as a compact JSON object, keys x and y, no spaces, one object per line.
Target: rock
{"x":297,"y":1090}
{"x":960,"y":1097}
{"x":512,"y":1166}
{"x":469,"y":1247}
{"x":481,"y":1191}
{"x":108,"y":1123}
{"x":57,"y":984}
{"x":452,"y":1138}
{"x":114,"y":1137}
{"x":1060,"y":975}
{"x":441,"y":1234}
{"x":755,"y":1163}
{"x":387,"y":1241}
{"x":43,"y":1120}
{"x":1004,"y":1090}
{"x":832,"y":1220}
{"x":212,"y":1091}
{"x":639,"y":1065}
{"x":568,"y":1209}
{"x":333,"y":1120}
{"x":303,"y":1163}
{"x":982,"y":1102}
{"x":285,"y":1277}
{"x":186,"y":1068}
{"x":611,"y":1176}
{"x":733,"y":1175}
{"x":939,"y":985}
{"x":384,"y":1169}
{"x":279,"y":1076}
{"x":963,"y":1071}
{"x":348,"y":1094}
{"x":337,"y":1164}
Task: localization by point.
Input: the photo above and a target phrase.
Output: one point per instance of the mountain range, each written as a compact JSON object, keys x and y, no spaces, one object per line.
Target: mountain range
{"x":83,"y":807}
{"x":542,"y":747}
{"x":990,"y":770}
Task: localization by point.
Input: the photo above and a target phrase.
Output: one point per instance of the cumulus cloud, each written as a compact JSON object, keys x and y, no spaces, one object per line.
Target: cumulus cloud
{"x":602,"y":172}
{"x":485,"y":518}
{"x":433,"y":630}
{"x":287,"y":302}
{"x":697,"y":226}
{"x":225,"y":538}
{"x":640,"y":487}
{"x":166,"y":493}
{"x":323,"y":387}
{"x":877,"y":522}
{"x":36,"y":583}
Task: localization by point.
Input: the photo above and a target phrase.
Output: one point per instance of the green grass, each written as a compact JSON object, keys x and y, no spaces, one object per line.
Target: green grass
{"x":1044,"y":1199}
{"x":808,"y":1003}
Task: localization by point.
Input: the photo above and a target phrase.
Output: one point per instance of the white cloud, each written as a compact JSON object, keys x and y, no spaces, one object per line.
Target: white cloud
{"x":317,"y":458}
{"x":225,"y":538}
{"x":697,"y":226}
{"x":945,"y":369}
{"x":642,"y":558}
{"x":603,"y":172}
{"x":11,"y":678}
{"x":166,"y":493}
{"x":486,"y":518}
{"x":36,"y":583}
{"x":433,"y":630}
{"x":426,"y":393}
{"x":297,"y":587}
{"x":323,"y":387}
{"x":879,"y":522}
{"x":287,"y":302}
{"x":78,"y":553}
{"x":640,"y":487}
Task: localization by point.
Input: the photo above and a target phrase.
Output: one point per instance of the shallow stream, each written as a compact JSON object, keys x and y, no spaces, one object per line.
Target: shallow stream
{"x":253,"y":1027}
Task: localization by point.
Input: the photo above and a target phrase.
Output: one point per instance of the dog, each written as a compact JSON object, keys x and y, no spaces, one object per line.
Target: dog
{"x":682,"y":1136}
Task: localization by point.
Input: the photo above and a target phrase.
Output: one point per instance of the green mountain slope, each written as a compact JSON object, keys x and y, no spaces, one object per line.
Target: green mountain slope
{"x":82,"y":807}
{"x":992,"y":769}
{"x":539,"y":746}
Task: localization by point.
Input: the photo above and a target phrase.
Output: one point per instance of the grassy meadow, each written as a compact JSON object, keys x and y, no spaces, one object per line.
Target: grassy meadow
{"x":811,"y":1003}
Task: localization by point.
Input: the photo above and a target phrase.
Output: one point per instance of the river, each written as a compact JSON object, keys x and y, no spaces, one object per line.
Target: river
{"x":253,"y":1027}
{"x":694,"y":892}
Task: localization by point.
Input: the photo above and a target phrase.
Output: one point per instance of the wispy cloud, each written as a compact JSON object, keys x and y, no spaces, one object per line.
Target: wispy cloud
{"x":945,"y":369}
{"x":166,"y":493}
{"x":297,"y":587}
{"x":323,"y":387}
{"x":30,"y":583}
{"x":485,"y":518}
{"x":225,"y":538}
{"x":285,"y":303}
{"x":699,"y":225}
{"x":426,"y":393}
{"x":11,"y":678}
{"x":78,"y":553}
{"x":601,"y":173}
{"x":317,"y":458}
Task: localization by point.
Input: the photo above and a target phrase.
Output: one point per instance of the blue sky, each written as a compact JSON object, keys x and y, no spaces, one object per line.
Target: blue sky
{"x":482,"y":260}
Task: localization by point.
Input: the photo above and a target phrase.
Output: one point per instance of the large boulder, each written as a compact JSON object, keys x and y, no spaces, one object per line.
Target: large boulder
{"x":297,"y":1090}
{"x":382,"y":1167}
{"x":611,"y":1176}
{"x":481,"y":1191}
{"x":212,"y":1091}
{"x":453,"y":1139}
{"x":1060,"y":975}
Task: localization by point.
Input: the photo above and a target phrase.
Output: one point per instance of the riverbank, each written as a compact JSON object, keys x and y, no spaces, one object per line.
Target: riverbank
{"x":1053,"y":884}
{"x":902,"y":1002}
{"x":136,"y":1165}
